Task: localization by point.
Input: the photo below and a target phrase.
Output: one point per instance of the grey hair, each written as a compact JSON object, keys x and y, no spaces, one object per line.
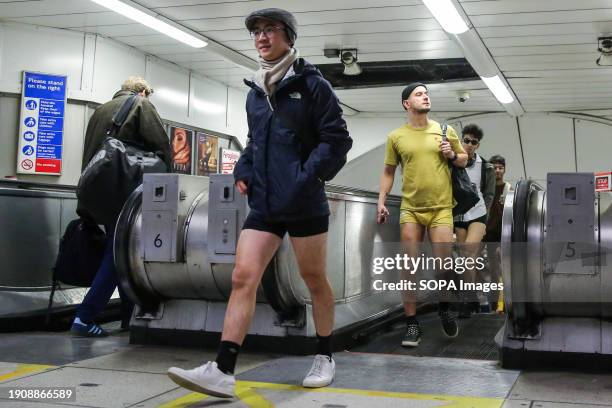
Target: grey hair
{"x":137,"y":84}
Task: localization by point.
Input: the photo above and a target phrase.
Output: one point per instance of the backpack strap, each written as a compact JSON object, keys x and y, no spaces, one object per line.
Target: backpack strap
{"x":444,"y":127}
{"x":483,"y":173}
{"x":121,"y":115}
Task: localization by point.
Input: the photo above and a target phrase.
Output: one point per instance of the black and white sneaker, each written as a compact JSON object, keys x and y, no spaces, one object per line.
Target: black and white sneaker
{"x":412,"y":338}
{"x":449,"y":323}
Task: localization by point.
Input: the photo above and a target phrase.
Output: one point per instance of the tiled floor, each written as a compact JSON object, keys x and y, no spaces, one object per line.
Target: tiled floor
{"x":112,"y":373}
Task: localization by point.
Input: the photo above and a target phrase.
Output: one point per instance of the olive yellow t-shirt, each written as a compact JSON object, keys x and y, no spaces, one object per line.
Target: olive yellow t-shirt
{"x":426,"y":177}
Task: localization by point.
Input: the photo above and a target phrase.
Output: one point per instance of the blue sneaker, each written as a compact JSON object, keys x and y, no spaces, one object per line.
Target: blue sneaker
{"x":87,"y":330}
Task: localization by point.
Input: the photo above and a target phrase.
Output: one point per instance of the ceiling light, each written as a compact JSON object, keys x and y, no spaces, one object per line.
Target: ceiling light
{"x":498,"y":88}
{"x":447,"y":15}
{"x":142,"y":17}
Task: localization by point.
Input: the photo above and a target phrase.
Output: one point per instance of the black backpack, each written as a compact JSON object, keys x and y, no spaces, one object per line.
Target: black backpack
{"x":464,"y":191}
{"x":80,"y":253}
{"x":114,"y":172}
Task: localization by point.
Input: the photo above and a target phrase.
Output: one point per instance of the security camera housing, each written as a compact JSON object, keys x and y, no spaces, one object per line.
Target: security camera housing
{"x":604,"y":46}
{"x":463,"y":96}
{"x":348,"y":57}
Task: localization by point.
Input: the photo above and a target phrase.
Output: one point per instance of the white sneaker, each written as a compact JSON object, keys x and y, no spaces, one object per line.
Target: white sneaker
{"x":205,"y":379}
{"x":321,"y":373}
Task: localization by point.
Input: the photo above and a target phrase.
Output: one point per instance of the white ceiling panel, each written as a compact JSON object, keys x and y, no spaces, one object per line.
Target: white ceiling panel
{"x":538,"y":63}
{"x":530,"y":6}
{"x":545,"y":29}
{"x":118,"y":30}
{"x":550,"y":58}
{"x":559,"y":39}
{"x":552,"y":17}
{"x":243,"y":8}
{"x":339,"y":29}
{"x":571,"y":74}
{"x":556,"y":83}
{"x":76,"y":20}
{"x":546,"y":48}
{"x":174,"y":3}
{"x":357,"y":40}
{"x":47,"y":8}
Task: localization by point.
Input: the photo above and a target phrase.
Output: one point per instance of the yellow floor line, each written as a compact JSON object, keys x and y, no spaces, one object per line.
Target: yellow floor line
{"x":250,"y":398}
{"x":246,"y":394}
{"x":184,"y":401}
{"x":23,"y":369}
{"x":453,"y":401}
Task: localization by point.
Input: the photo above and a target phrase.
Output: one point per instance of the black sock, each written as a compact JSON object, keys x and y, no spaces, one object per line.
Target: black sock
{"x":226,"y":357}
{"x":324,"y":346}
{"x":411,"y":320}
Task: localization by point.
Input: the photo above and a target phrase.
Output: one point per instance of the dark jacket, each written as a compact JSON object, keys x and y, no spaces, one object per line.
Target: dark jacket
{"x":282,"y":185}
{"x":143,"y":126}
{"x":487,"y":183}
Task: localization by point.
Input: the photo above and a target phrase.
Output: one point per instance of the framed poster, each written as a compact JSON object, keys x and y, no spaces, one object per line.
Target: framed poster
{"x":181,"y":141}
{"x":207,"y":157}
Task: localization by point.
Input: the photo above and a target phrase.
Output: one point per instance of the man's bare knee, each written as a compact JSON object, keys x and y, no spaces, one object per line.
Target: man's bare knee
{"x":244,"y":278}
{"x":314,"y":279}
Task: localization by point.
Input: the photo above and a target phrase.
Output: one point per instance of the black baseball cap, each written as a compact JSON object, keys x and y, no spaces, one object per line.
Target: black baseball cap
{"x":408,"y":90}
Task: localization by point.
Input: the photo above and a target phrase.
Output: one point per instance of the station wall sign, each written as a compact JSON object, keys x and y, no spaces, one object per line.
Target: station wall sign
{"x":229,"y":158}
{"x":603,"y":181}
{"x":41,"y":124}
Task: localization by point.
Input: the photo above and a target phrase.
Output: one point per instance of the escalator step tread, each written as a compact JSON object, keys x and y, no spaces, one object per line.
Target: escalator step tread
{"x":475,"y":340}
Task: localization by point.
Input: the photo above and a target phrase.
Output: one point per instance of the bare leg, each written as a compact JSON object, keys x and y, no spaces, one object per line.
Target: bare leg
{"x":470,"y":241}
{"x":311,"y":254}
{"x":442,"y":234}
{"x":254,"y":252}
{"x":411,"y":235}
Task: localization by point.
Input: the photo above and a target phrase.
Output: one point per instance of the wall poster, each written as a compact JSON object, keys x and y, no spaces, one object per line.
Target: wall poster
{"x":208,"y":150}
{"x":181,"y":141}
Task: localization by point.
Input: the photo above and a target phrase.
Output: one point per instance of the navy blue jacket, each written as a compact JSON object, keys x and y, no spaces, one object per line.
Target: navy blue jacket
{"x":285,"y":183}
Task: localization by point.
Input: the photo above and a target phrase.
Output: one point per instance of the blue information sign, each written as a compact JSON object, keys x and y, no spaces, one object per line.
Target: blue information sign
{"x":42,"y":123}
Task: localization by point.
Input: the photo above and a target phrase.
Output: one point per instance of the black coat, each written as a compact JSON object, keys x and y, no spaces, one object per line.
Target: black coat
{"x":142,"y":126}
{"x":283,"y":183}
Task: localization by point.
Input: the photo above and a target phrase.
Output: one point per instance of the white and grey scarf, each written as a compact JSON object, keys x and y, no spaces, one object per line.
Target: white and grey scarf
{"x":272,"y":72}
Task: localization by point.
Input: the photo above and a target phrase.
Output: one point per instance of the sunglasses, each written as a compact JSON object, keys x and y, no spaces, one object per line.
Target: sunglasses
{"x":473,"y":142}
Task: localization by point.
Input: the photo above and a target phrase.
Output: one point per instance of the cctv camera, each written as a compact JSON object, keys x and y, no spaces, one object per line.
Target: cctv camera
{"x":464,"y":96}
{"x":604,"y":44}
{"x":348,"y":58}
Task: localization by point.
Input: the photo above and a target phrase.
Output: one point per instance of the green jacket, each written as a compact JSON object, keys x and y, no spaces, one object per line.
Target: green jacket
{"x":143,"y":126}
